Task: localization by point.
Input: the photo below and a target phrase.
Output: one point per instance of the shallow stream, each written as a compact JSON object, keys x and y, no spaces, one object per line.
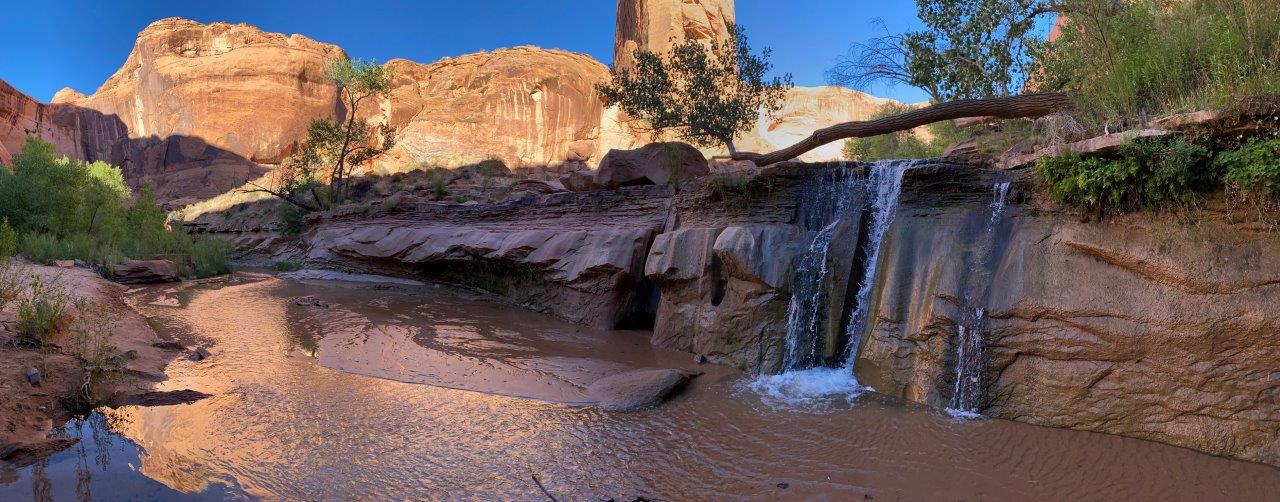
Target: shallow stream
{"x":407,"y":392}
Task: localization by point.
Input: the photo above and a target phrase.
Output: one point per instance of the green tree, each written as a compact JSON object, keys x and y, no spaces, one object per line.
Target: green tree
{"x":320,"y":172}
{"x":970,"y":49}
{"x":706,"y":93}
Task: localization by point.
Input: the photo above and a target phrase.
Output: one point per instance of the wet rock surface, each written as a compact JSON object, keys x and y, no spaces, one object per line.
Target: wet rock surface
{"x":1141,"y":326}
{"x":145,"y":272}
{"x":637,"y":389}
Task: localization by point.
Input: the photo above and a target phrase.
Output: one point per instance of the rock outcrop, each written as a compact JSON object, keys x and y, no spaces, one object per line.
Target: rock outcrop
{"x":807,"y":109}
{"x":637,"y":389}
{"x":525,"y":106}
{"x":1141,"y":326}
{"x":659,"y":25}
{"x":205,"y":104}
{"x":652,"y":164}
{"x":22,"y":116}
{"x":576,"y":256}
{"x":145,"y":272}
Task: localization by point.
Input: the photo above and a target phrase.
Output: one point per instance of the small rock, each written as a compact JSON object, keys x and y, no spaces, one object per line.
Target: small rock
{"x":64,"y":263}
{"x":783,"y":485}
{"x":168,"y":345}
{"x":701,"y":359}
{"x":33,"y":376}
{"x":200,"y":354}
{"x":130,"y":354}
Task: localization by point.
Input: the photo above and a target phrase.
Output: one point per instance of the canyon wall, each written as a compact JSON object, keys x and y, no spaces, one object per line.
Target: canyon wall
{"x":526,"y":106}
{"x":658,"y":25}
{"x":1154,"y":326}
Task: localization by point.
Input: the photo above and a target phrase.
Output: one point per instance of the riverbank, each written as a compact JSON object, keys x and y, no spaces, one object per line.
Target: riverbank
{"x":29,"y":412}
{"x":351,"y":402}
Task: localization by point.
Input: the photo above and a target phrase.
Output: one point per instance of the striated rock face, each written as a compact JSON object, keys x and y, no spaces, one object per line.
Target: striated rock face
{"x":576,"y":256}
{"x":525,"y":106}
{"x":204,"y":105}
{"x":658,"y":25}
{"x":233,"y":87}
{"x":22,"y":116}
{"x":1141,"y":326}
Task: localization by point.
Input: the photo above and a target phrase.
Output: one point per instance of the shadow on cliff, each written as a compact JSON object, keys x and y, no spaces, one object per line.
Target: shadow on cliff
{"x":176,"y":166}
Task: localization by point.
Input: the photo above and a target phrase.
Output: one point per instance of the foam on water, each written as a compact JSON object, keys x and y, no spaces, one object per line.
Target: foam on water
{"x":809,"y":388}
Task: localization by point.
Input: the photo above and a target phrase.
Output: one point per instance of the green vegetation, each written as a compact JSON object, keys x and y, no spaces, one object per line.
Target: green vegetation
{"x":286,"y":266}
{"x":743,"y":187}
{"x":1254,"y":168}
{"x":706,"y":93}
{"x":969,"y":49}
{"x":1147,"y":174}
{"x":91,"y":340}
{"x":8,"y":241}
{"x":65,"y":209}
{"x":901,"y":144}
{"x":1129,"y":61}
{"x":42,"y":310}
{"x":320,"y":173}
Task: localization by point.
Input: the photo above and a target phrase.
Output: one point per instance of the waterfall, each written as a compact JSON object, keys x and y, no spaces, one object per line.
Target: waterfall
{"x":886,"y":179}
{"x":970,"y":362}
{"x":822,"y":207}
{"x":804,"y":381}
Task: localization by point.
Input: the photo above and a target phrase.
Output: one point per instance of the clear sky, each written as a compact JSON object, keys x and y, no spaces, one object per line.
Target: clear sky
{"x":49,"y":44}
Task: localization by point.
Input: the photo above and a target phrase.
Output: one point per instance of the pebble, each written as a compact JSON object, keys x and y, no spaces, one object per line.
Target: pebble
{"x":200,"y":354}
{"x":33,"y":376}
{"x":783,"y":485}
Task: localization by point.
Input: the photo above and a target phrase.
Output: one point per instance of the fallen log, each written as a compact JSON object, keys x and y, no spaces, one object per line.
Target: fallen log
{"x":1011,"y":107}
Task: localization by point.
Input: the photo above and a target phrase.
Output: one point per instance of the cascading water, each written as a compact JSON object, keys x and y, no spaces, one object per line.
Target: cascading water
{"x":886,"y":179}
{"x":803,"y":381}
{"x":970,"y":365}
{"x":822,"y":208}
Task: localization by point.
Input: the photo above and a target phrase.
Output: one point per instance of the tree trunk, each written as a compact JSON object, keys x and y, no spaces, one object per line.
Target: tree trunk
{"x":1027,"y":105}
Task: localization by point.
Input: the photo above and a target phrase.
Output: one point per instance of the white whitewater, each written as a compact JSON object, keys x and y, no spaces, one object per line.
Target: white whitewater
{"x":970,"y":366}
{"x":803,"y":382}
{"x":822,"y":207}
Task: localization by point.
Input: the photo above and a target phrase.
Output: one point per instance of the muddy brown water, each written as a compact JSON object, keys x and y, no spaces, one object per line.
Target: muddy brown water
{"x":428,"y":393}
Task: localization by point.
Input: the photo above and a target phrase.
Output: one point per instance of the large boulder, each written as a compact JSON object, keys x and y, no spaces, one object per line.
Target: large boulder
{"x":637,"y":389}
{"x":145,"y":271}
{"x":652,"y":164}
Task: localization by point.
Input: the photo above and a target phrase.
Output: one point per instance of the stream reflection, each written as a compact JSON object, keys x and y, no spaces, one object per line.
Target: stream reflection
{"x":329,"y":403}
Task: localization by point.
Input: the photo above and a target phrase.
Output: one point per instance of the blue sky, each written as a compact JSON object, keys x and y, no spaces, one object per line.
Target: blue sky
{"x":50,"y":44}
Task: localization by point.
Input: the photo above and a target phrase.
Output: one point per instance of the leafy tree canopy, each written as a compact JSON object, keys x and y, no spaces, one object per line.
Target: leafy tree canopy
{"x":706,"y":93}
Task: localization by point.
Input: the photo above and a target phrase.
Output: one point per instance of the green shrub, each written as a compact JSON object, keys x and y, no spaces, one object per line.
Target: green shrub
{"x":1147,"y":174}
{"x":91,"y":335}
{"x":286,"y":266}
{"x":12,"y":277}
{"x":1124,"y":61}
{"x":211,"y":256}
{"x":40,"y":312}
{"x":1253,"y":168}
{"x":289,"y":220}
{"x":67,"y":209}
{"x":8,"y":241}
